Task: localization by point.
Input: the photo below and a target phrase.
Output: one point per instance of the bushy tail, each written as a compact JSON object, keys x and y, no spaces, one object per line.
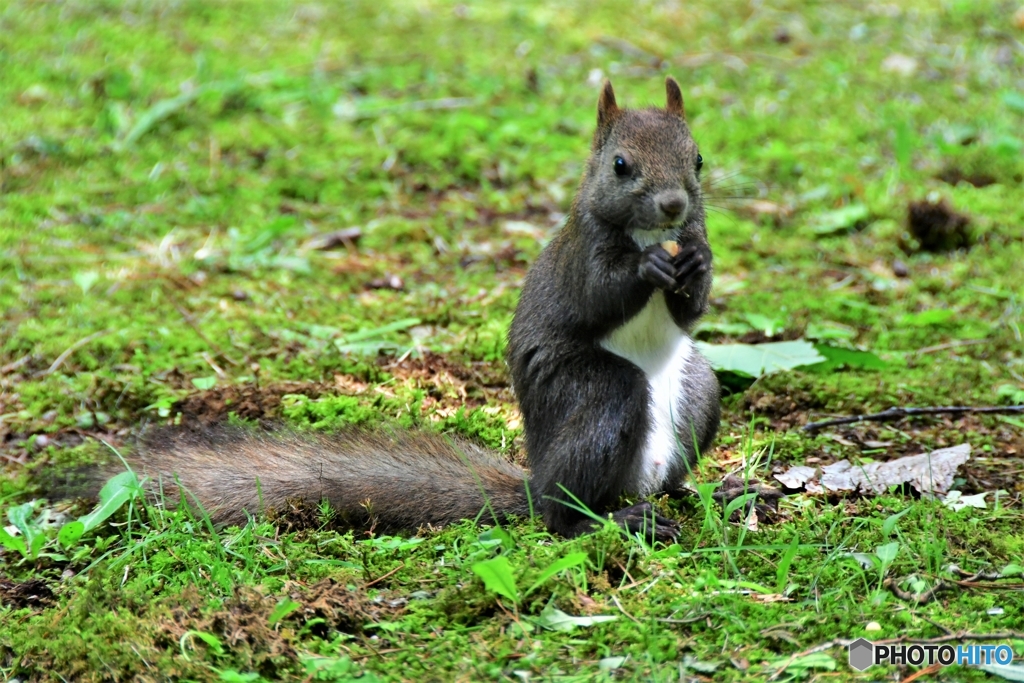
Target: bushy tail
{"x":399,"y":480}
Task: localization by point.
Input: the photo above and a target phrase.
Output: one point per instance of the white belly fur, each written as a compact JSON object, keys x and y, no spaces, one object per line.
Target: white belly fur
{"x":653,"y":342}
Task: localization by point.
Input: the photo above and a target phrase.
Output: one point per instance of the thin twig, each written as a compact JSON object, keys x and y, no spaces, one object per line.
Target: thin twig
{"x":71,"y":349}
{"x":688,"y":620}
{"x":14,"y":365}
{"x":950,"y":345}
{"x":384,"y":576}
{"x":619,"y":605}
{"x":917,"y":598}
{"x":894,"y":414}
{"x":936,"y":624}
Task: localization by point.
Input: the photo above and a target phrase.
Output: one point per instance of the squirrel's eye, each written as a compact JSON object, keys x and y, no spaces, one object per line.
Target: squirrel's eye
{"x":700,"y":162}
{"x":621,"y":167}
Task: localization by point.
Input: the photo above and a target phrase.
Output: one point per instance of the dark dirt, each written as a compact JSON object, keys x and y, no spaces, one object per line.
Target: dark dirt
{"x":247,"y":401}
{"x":937,"y":226}
{"x":954,"y":175}
{"x":34,"y":593}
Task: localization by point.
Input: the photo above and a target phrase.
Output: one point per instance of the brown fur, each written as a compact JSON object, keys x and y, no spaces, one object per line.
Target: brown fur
{"x":399,"y":480}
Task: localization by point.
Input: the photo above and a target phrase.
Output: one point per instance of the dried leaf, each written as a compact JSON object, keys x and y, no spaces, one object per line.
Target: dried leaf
{"x":796,"y":477}
{"x":928,"y":473}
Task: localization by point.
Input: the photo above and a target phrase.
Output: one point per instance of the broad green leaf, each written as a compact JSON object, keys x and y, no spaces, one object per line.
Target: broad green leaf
{"x":32,"y":536}
{"x":890,"y":522}
{"x":836,"y":357}
{"x":828,"y":330}
{"x":497,"y":576}
{"x":1015,"y":101}
{"x":36,"y":545}
{"x":85,"y":280}
{"x":497,"y":534}
{"x":738,"y":502}
{"x":760,"y":359}
{"x":204,"y":383}
{"x":571,"y":560}
{"x":70,"y":533}
{"x":763,"y":323}
{"x":212,"y":642}
{"x":782,"y":571}
{"x":887,"y":553}
{"x":865,"y":560}
{"x":20,"y":516}
{"x":934,"y":316}
{"x":817,"y":660}
{"x":694,"y":664}
{"x":843,"y":219}
{"x":609,"y":663}
{"x":283,"y":609}
{"x":556,"y":620}
{"x":13,"y":542}
{"x":232,"y":676}
{"x":115,"y":493}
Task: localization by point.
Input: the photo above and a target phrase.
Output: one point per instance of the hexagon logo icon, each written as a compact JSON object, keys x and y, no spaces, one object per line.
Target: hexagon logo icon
{"x":862,"y":654}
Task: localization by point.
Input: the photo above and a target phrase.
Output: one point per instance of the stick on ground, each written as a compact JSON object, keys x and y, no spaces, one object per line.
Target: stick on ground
{"x":894,"y":414}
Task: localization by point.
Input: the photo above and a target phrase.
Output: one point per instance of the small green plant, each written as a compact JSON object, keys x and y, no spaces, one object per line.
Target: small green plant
{"x":32,"y":536}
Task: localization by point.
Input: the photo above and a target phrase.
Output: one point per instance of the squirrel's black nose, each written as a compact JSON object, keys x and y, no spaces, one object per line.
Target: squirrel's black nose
{"x":672,"y":204}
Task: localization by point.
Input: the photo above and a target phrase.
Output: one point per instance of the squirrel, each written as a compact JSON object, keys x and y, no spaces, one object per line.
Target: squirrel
{"x":614,"y":395}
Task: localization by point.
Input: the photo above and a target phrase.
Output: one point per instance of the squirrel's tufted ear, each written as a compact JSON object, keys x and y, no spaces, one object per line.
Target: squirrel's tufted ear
{"x":673,"y":97}
{"x":607,"y":110}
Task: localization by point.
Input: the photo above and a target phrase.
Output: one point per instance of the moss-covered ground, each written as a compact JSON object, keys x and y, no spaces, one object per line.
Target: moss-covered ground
{"x":322,"y":214}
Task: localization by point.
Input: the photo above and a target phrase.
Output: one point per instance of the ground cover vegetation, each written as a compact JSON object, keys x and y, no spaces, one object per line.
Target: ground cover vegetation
{"x":321,"y":214}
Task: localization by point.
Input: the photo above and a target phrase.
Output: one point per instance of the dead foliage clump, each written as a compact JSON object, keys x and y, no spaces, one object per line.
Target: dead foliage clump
{"x":243,"y":625}
{"x":34,"y":593}
{"x":247,"y":401}
{"x":474,"y":383}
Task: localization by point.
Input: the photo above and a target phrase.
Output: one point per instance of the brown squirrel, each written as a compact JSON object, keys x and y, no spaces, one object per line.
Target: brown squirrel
{"x":615,"y":397}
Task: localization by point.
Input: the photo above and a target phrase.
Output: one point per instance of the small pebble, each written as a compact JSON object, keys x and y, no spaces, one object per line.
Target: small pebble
{"x":899,"y":269}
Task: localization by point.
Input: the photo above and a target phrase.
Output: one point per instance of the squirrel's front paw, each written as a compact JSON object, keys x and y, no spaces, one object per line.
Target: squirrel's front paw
{"x":657,"y":268}
{"x":689,"y":265}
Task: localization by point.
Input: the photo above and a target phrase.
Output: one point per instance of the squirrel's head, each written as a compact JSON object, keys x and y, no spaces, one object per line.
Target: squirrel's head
{"x":644,"y":169}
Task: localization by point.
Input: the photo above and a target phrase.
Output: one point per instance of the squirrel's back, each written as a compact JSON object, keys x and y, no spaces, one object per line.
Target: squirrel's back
{"x":393,"y":480}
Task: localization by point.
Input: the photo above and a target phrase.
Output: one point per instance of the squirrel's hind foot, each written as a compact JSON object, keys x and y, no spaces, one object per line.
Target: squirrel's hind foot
{"x":642,"y":519}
